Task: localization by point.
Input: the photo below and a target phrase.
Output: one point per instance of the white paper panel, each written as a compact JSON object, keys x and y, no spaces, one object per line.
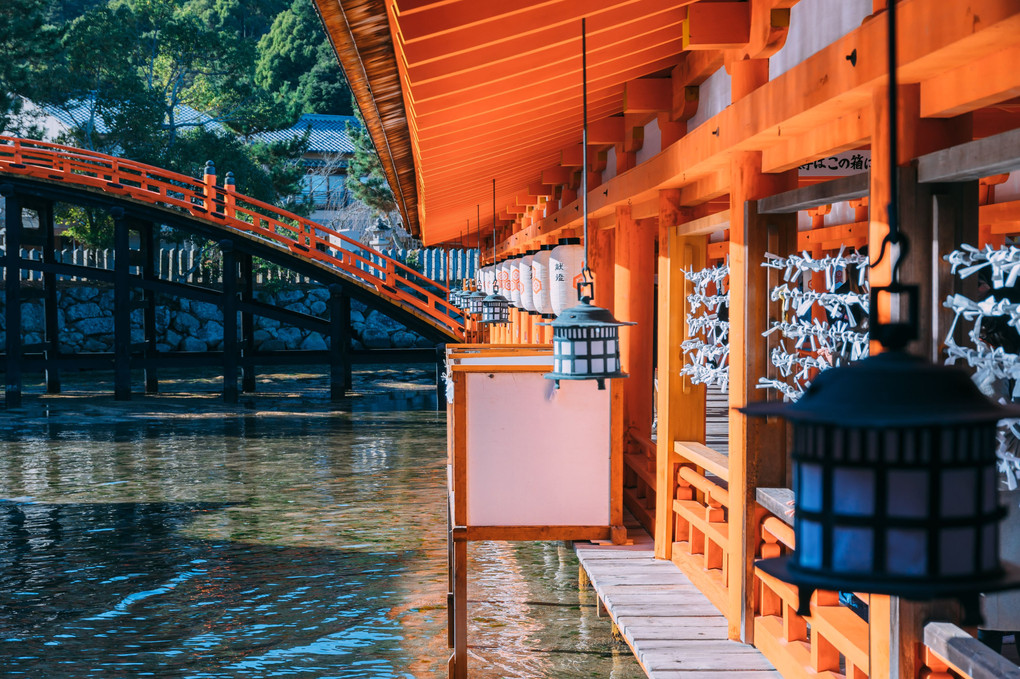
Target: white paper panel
{"x":544,"y":359}
{"x":547,"y":464}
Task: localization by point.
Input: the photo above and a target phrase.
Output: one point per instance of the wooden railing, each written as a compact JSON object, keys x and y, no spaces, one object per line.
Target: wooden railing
{"x":832,"y":641}
{"x":221,"y":205}
{"x":639,"y":480}
{"x":952,"y":653}
{"x":701,"y":501}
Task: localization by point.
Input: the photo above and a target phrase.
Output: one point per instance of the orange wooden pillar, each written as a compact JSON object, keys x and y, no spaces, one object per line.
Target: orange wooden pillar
{"x":601,"y":258}
{"x":634,"y":285}
{"x":681,"y":405}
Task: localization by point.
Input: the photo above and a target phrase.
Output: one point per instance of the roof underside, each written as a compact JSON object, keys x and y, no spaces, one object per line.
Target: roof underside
{"x":491,"y":90}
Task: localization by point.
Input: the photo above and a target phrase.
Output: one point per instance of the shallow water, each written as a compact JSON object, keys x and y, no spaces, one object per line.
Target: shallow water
{"x":261,"y":545}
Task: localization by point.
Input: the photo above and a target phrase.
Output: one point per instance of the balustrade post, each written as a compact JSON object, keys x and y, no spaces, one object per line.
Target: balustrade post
{"x":229,"y":198}
{"x":247,"y":323}
{"x":209,"y":192}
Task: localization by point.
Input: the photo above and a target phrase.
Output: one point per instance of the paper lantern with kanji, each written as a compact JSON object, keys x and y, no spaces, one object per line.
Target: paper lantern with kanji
{"x":540,"y":280}
{"x":565,"y":263}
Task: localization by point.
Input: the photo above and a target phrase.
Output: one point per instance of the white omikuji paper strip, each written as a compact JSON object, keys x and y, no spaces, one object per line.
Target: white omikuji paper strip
{"x":834,"y":343}
{"x":707,"y":352}
{"x":993,"y":366}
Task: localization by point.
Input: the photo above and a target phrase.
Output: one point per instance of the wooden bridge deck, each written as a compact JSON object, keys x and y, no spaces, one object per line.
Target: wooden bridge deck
{"x":673,"y":630}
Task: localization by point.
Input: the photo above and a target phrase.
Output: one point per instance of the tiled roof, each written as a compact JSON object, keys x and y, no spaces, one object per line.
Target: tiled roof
{"x":78,"y":115}
{"x":328,"y":133}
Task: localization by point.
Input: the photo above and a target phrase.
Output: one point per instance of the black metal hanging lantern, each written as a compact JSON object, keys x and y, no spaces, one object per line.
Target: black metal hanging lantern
{"x":895,"y":476}
{"x":895,"y":470}
{"x":586,"y":342}
{"x":495,"y":307}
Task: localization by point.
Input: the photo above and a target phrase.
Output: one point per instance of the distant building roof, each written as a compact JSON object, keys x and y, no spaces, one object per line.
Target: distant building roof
{"x":328,"y":134}
{"x":77,"y":115}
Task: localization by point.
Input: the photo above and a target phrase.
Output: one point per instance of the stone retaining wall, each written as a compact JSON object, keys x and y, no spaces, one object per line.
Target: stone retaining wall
{"x":85,"y":318}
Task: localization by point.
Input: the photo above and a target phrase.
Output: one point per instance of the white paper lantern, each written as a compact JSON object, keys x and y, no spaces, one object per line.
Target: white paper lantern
{"x":515,"y":281}
{"x":540,"y":280}
{"x":565,"y":262}
{"x":504,"y":278}
{"x":527,"y":289}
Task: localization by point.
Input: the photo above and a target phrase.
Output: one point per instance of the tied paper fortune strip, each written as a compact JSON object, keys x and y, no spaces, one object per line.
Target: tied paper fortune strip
{"x":830,"y":343}
{"x":995,"y":370}
{"x":706,"y":353}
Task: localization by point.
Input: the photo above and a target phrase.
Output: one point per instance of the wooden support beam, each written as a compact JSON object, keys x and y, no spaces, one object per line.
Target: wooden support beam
{"x":149,"y":247}
{"x":840,"y":133}
{"x":556,"y":176}
{"x":956,"y":222}
{"x":339,"y":342}
{"x":966,"y":654}
{"x":230,"y":344}
{"x":972,"y":160}
{"x":648,"y":95}
{"x":822,"y":193}
{"x":717,"y":26}
{"x":12,"y":294}
{"x":685,"y":102}
{"x":121,"y":307}
{"x":51,"y":307}
{"x":606,"y":131}
{"x":247,"y":273}
{"x":984,"y":82}
{"x":757,"y":446}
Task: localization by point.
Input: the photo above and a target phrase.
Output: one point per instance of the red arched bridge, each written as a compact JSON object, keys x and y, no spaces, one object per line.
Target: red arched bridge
{"x":37,"y":175}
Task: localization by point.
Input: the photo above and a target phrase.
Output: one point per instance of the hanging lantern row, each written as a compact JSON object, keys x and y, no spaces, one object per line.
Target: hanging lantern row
{"x":495,"y":307}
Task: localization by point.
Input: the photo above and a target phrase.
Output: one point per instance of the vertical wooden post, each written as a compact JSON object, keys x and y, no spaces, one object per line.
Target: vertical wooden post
{"x":681,"y":405}
{"x":339,"y":342}
{"x":757,"y":454}
{"x":634,"y":301}
{"x":12,"y":292}
{"x":230,"y":346}
{"x":247,"y":274}
{"x":956,"y":222}
{"x":457,"y":455}
{"x":121,"y":306}
{"x":603,"y":265}
{"x":51,"y":302}
{"x":150,"y":247}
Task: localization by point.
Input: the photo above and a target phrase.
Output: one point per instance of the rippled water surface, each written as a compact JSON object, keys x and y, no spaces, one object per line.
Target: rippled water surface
{"x":264,"y":545}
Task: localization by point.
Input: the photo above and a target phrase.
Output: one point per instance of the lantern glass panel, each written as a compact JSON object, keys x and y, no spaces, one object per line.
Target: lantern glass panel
{"x":906,"y":551}
{"x":853,"y":492}
{"x":957,"y":547}
{"x":558,"y":365}
{"x":580,"y":348}
{"x":907,"y":493}
{"x":580,"y":366}
{"x":852,"y":549}
{"x":959,"y":493}
{"x":598,"y":348}
{"x":598,"y":365}
{"x":809,"y":493}
{"x":611,"y":346}
{"x":809,"y":552}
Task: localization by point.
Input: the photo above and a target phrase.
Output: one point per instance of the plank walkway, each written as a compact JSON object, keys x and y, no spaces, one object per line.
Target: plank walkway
{"x":672,"y":629}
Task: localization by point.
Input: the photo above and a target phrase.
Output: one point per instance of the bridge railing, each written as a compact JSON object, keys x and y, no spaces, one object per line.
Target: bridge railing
{"x":220,"y":204}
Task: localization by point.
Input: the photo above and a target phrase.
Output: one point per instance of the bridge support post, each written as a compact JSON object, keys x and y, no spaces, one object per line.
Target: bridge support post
{"x":441,"y":377}
{"x":45,"y":212}
{"x":230,"y":347}
{"x":150,"y":246}
{"x":340,"y":342}
{"x":247,"y":323}
{"x":12,"y":299}
{"x":121,"y":307}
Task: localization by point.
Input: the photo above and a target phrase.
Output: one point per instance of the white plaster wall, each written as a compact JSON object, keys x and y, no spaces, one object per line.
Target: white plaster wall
{"x":653,"y":142}
{"x":1009,"y":189}
{"x":610,"y":170}
{"x":814,"y":24}
{"x":713,"y":97}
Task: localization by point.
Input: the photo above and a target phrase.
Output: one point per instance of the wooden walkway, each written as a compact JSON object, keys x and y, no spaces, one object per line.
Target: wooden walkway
{"x":672,"y":629}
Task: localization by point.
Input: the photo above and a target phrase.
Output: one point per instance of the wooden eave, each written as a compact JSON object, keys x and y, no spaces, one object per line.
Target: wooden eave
{"x":359,"y":33}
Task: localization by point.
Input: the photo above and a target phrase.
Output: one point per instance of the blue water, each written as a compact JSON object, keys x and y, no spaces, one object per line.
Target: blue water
{"x":308,"y":543}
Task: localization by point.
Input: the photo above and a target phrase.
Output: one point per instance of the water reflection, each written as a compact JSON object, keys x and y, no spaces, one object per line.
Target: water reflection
{"x":264,"y":545}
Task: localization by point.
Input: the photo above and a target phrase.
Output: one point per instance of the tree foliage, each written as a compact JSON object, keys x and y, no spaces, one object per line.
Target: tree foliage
{"x":296,"y":64}
{"x":367,"y":181}
{"x":25,"y":38}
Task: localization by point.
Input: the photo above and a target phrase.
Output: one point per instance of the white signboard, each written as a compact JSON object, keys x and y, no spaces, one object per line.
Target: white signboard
{"x":536,"y":456}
